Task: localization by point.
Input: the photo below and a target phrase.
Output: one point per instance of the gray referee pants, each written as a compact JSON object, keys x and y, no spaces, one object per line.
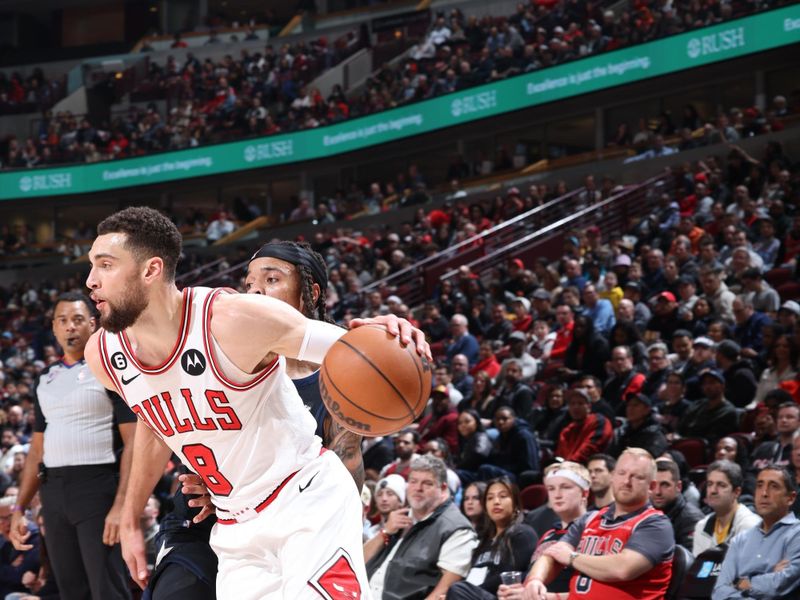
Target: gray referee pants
{"x":75,"y":502}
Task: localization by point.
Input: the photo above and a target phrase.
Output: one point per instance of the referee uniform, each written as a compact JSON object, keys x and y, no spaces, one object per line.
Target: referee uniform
{"x":77,"y":417}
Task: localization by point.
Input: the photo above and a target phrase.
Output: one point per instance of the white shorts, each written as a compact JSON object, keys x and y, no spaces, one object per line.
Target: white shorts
{"x":305,"y":545}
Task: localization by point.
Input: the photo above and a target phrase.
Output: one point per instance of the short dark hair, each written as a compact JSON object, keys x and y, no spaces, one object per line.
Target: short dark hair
{"x":610,"y":461}
{"x":408,"y":431}
{"x":679,"y":333}
{"x":730,"y":469}
{"x":663,"y":465}
{"x":149,"y":233}
{"x":788,"y":480}
{"x":76,"y":297}
{"x":791,"y":404}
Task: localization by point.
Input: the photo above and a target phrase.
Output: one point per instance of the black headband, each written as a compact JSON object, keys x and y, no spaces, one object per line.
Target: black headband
{"x":297,"y":256}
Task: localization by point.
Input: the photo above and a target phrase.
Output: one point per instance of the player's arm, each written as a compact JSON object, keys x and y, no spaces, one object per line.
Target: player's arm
{"x":347,"y":446}
{"x":150,"y":456}
{"x":278,"y":328}
{"x":272,"y":327}
{"x":28,"y":487}
{"x":111,"y":529}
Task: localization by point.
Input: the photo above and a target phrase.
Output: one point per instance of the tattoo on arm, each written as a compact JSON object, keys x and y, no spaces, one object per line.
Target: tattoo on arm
{"x":347,"y":446}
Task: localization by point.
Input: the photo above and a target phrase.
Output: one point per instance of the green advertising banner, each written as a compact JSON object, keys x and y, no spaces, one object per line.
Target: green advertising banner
{"x":685,"y":51}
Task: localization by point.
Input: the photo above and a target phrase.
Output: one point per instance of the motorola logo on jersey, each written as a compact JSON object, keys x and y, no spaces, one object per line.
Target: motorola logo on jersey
{"x":193,"y":362}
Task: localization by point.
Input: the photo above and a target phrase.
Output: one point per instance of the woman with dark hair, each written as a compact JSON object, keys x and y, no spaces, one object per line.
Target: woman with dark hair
{"x":702,"y":315}
{"x":504,"y":544}
{"x":482,"y":399}
{"x":472,"y":504}
{"x":625,"y":333}
{"x":588,"y":352}
{"x":474,"y":444}
{"x":783,"y":366}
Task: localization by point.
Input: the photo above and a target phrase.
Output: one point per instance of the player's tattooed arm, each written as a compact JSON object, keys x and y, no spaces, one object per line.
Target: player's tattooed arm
{"x":347,"y":446}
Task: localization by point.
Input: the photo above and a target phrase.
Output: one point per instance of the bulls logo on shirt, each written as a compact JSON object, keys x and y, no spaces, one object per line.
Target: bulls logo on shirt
{"x":193,"y":362}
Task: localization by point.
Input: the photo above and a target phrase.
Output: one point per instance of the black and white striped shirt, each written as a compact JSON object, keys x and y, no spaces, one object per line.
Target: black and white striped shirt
{"x":77,"y":415}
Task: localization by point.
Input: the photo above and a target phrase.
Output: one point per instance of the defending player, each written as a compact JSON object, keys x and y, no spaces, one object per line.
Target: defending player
{"x":193,"y":367}
{"x":294,"y":273}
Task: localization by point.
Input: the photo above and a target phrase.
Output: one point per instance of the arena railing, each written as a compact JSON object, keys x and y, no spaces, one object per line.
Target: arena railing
{"x":614,"y":215}
{"x":416,"y":282}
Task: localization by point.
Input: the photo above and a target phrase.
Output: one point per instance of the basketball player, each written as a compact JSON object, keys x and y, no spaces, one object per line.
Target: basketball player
{"x":204,"y":371}
{"x":294,"y":273}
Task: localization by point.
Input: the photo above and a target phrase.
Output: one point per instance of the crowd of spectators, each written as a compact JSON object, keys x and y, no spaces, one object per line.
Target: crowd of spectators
{"x":34,"y":93}
{"x":679,"y":337}
{"x":268,"y":92}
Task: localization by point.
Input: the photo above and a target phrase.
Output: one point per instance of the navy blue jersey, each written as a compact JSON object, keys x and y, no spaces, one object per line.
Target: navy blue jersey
{"x":308,"y":388}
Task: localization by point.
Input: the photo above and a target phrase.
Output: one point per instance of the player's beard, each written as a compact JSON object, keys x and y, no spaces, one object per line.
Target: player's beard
{"x":123,"y":315}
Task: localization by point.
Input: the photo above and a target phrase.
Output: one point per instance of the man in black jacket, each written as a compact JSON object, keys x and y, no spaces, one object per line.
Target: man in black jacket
{"x":667,"y":497}
{"x":641,"y":430}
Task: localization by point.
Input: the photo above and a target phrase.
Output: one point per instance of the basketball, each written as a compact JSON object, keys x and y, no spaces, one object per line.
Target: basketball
{"x":371,"y":384}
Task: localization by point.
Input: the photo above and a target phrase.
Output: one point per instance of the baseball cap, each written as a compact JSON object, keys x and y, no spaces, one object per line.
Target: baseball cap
{"x":686,"y":280}
{"x":580,"y":392}
{"x":517,"y":335}
{"x":643,"y":398}
{"x":441,"y":389}
{"x":394,"y":300}
{"x":790,"y":305}
{"x":517,"y":262}
{"x":669,"y":296}
{"x":514,"y":191}
{"x":524,"y":301}
{"x":633,"y":285}
{"x":542,"y":294}
{"x":8,"y":335}
{"x":715,"y":373}
{"x":395,"y":483}
{"x":703,"y":341}
{"x":593,"y":230}
{"x":623,"y":260}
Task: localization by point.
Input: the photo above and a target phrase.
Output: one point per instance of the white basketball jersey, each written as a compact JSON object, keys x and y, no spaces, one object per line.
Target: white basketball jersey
{"x":243,"y":433}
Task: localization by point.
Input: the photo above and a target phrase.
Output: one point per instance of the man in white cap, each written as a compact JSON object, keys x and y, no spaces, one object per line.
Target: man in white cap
{"x":390,"y":495}
{"x":789,"y":315}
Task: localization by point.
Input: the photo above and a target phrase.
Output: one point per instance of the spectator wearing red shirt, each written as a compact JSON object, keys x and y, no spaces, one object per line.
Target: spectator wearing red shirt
{"x":566,"y":322}
{"x":487,"y":361}
{"x":588,"y":433}
{"x":442,"y":422}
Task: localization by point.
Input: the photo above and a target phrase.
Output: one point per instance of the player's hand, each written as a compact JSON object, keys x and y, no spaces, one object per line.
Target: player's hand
{"x":397,"y":326}
{"x":19,"y":533}
{"x":111,"y":528}
{"x":192,"y":485}
{"x":535,"y":590}
{"x":398,"y":519}
{"x":132,"y":541}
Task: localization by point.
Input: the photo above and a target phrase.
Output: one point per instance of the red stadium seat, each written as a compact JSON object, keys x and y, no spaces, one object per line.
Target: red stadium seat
{"x":776,"y":277}
{"x":693,"y":450}
{"x":533,"y":496}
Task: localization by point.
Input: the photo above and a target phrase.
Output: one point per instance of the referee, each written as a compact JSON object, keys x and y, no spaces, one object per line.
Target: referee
{"x":81,"y":488}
